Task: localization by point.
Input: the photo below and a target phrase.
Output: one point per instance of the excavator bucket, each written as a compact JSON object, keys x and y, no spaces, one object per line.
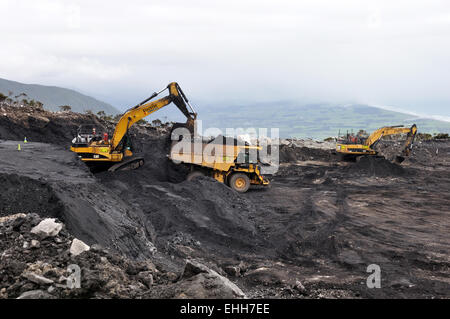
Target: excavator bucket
{"x":189,"y":125}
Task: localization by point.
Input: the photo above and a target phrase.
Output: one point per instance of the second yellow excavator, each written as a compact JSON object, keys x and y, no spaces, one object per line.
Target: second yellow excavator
{"x":351,"y":147}
{"x":115,"y":152}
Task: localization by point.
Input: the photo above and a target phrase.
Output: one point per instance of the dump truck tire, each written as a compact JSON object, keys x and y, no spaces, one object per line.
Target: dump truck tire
{"x":239,"y":182}
{"x":193,"y":175}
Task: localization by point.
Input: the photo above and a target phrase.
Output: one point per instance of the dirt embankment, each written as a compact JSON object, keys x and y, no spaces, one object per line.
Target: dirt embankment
{"x":49,"y":180}
{"x":59,"y":128}
{"x":311,"y":234}
{"x":38,"y":125}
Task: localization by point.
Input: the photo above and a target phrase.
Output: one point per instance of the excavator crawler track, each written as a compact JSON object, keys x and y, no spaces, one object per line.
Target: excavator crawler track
{"x":128,"y":164}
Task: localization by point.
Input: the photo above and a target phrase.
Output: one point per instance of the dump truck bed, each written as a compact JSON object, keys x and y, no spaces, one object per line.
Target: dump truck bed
{"x":214,"y":156}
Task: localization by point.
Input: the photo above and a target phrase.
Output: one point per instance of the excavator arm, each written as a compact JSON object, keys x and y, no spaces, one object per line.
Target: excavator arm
{"x":146,"y":108}
{"x":376,"y":136}
{"x":407,"y":146}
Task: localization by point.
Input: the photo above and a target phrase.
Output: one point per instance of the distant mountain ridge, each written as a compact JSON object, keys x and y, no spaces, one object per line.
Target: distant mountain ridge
{"x":317,"y":121}
{"x":53,"y":96}
{"x":294,"y":119}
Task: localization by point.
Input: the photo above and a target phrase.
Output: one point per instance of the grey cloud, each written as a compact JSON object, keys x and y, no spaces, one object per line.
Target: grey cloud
{"x":378,"y":52}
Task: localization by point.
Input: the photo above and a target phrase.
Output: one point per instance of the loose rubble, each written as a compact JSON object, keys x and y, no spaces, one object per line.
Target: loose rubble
{"x":44,"y":273}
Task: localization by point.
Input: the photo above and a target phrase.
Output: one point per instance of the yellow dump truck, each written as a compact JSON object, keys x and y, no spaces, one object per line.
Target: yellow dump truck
{"x":229,"y":164}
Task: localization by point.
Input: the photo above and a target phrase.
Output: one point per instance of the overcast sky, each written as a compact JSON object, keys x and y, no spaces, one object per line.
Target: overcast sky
{"x":387,"y":53}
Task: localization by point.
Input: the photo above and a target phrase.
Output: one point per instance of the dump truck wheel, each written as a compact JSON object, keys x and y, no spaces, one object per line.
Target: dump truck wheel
{"x":240,"y":182}
{"x":193,"y":175}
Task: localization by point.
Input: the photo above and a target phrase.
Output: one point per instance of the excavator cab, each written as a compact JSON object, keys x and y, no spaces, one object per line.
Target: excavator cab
{"x":86,"y":134}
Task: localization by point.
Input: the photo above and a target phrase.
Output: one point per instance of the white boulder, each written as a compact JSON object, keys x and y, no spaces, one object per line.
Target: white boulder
{"x":78,"y":247}
{"x":47,"y":228}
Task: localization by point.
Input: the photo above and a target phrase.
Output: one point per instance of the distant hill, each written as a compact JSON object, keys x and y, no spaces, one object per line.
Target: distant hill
{"x":52,"y":97}
{"x":316,"y":121}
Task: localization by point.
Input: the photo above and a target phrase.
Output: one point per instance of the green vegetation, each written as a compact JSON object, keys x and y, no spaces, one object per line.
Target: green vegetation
{"x":34,"y":103}
{"x":440,"y":136}
{"x":107,"y":117}
{"x":156,"y":123}
{"x":424,"y":136}
{"x":16,"y":101}
{"x":65,"y":108}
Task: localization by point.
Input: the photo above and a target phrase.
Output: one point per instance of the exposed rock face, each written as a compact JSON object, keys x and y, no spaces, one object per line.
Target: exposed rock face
{"x":35,"y":294}
{"x":11,"y":217}
{"x":203,"y":282}
{"x":40,"y":280}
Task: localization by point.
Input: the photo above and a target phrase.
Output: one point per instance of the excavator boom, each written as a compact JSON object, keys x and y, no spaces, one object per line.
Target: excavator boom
{"x":376,"y":136}
{"x":146,"y":108}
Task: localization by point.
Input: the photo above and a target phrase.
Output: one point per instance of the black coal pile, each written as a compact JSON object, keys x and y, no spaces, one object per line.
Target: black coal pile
{"x":292,"y":154}
{"x":154,"y":145}
{"x":375,"y":166}
{"x":215,"y":217}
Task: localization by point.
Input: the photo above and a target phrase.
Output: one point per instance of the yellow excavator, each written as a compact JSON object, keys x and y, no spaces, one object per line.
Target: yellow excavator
{"x":99,"y":150}
{"x":352,"y":147}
